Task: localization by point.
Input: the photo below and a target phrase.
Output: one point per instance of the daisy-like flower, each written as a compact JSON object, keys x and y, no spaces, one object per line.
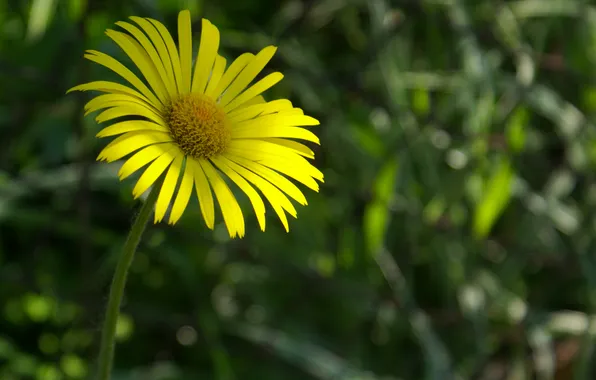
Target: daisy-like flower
{"x":200,"y":126}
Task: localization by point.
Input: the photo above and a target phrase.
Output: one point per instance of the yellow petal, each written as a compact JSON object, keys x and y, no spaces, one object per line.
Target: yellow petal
{"x":248,"y":74}
{"x":230,"y":209}
{"x":279,"y":202}
{"x":255,"y":90}
{"x":173,"y":52}
{"x":259,"y":149}
{"x":253,"y":196}
{"x":129,"y":110}
{"x":130,"y":142}
{"x":162,"y":50}
{"x":238,"y":65}
{"x":185,"y":46}
{"x":111,"y":100}
{"x":141,"y":59}
{"x":289,"y":118}
{"x":218,"y":69}
{"x":256,"y":100}
{"x":130,"y":126}
{"x":246,"y":113}
{"x":167,"y":189}
{"x":278,"y":158}
{"x":273,"y":177}
{"x":204,"y":194}
{"x":304,"y":173}
{"x":112,"y":88}
{"x":143,"y":157}
{"x":153,"y":172}
{"x":183,"y":195}
{"x":206,"y":56}
{"x":112,"y":64}
{"x":274,"y":131}
{"x":115,"y":100}
{"x":297,"y":147}
{"x":153,"y":54}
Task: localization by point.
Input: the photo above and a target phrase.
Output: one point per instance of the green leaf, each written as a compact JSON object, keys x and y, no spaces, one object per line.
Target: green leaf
{"x":496,"y":196}
{"x":516,"y":129}
{"x":421,"y":101}
{"x":480,"y":115}
{"x":76,"y":8}
{"x":385,"y":183}
{"x":40,"y":15}
{"x":376,"y":214}
{"x":589,"y":98}
{"x":313,"y":359}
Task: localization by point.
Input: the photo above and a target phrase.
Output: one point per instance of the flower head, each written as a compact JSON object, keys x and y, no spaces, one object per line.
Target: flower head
{"x":200,"y":126}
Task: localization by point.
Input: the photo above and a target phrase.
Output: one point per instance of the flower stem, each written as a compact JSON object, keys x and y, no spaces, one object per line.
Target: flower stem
{"x":108,"y":335}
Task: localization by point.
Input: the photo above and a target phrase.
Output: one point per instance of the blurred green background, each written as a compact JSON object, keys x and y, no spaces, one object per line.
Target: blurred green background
{"x":454,"y":237}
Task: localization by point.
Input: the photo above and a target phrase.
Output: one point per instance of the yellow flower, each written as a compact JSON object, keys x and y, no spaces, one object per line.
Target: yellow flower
{"x":203,"y":125}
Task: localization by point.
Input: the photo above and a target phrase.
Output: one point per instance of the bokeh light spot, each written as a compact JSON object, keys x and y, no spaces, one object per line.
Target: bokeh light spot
{"x":186,"y":335}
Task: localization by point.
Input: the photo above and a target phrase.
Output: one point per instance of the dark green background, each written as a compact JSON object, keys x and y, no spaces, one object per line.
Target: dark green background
{"x":454,"y":237}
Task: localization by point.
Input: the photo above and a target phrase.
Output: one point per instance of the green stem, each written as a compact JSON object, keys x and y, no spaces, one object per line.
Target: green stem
{"x":108,"y":335}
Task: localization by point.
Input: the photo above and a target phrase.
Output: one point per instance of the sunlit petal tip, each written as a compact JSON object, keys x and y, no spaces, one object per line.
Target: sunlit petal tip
{"x":75,"y":88}
{"x":122,"y":175}
{"x":276,"y":77}
{"x":237,"y":234}
{"x":269,"y":50}
{"x":112,"y":34}
{"x":136,"y":194}
{"x":310,"y":121}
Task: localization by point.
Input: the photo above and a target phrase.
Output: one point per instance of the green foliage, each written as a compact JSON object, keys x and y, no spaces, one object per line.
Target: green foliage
{"x":453,"y":237}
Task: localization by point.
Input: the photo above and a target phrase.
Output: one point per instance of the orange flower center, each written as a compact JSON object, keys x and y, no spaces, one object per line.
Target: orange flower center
{"x":198,"y":125}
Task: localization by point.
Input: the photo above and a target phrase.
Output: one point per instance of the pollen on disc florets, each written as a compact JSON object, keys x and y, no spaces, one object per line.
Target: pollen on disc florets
{"x":198,"y":125}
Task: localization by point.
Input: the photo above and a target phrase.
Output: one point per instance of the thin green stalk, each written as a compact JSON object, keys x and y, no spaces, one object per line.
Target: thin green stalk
{"x":108,"y":334}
